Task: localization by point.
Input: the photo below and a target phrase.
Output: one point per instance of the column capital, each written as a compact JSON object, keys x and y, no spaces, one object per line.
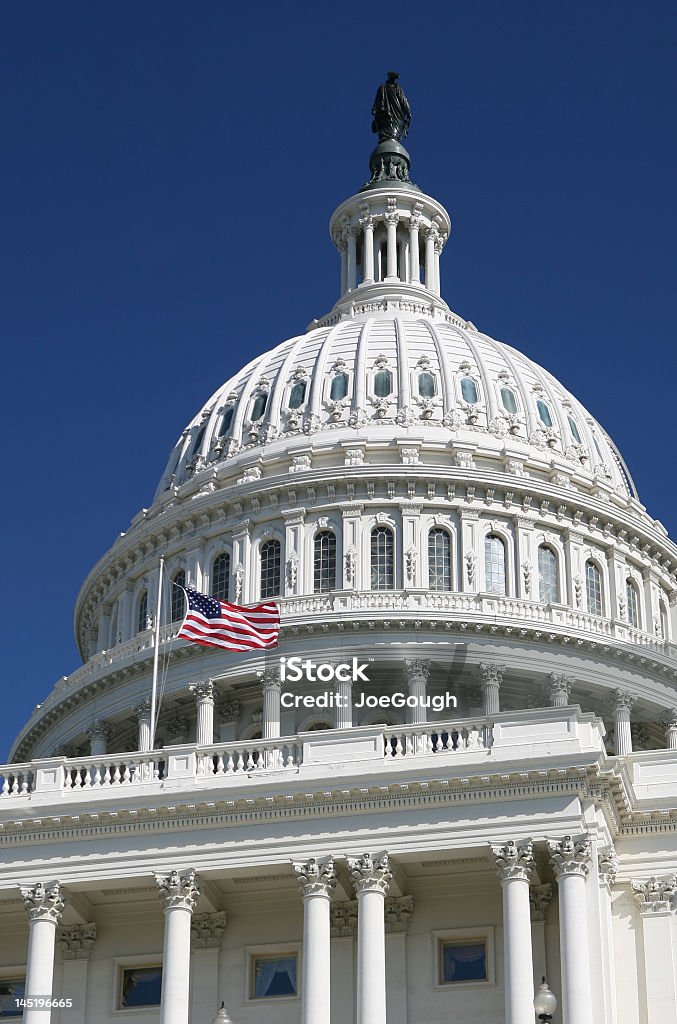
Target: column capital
{"x":513,"y":861}
{"x":270,"y":680}
{"x":398,"y":911}
{"x":622,"y":700}
{"x":559,"y":687}
{"x":315,"y":877}
{"x":99,"y":729}
{"x":77,"y":941}
{"x":489,"y":674}
{"x":206,"y":930}
{"x":370,"y":874}
{"x":655,"y":895}
{"x":418,"y":669}
{"x":203,"y":689}
{"x":607,"y":866}
{"x":178,"y":890}
{"x":540,"y":897}
{"x":570,"y":856}
{"x":44,"y":902}
{"x":343,"y":916}
{"x":669,"y":718}
{"x":142,"y":709}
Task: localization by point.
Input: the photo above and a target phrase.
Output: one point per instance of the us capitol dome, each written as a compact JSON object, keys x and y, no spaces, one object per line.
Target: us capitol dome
{"x":426,"y":500}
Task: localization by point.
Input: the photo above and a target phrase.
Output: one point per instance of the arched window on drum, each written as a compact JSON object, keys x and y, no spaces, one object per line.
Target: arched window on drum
{"x":548,"y":582}
{"x":142,"y":612}
{"x":177,"y":596}
{"x":270,"y":569}
{"x":382,"y":558}
{"x":494,"y":564}
{"x":220,"y":587}
{"x":593,"y":589}
{"x":324,"y":562}
{"x":439,"y":559}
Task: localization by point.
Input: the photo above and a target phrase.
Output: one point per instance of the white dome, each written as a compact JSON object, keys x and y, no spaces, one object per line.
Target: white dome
{"x":448,"y":385}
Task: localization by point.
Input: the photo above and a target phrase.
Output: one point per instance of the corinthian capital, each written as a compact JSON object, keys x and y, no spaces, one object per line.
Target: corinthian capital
{"x":513,"y":861}
{"x":417,"y":669}
{"x":77,"y":941}
{"x":489,"y":674}
{"x":44,"y":902}
{"x":370,"y":873}
{"x":203,"y":690}
{"x":570,"y":856}
{"x":621,"y":700}
{"x":559,"y":688}
{"x":316,"y":877}
{"x":655,"y":896}
{"x":142,"y":709}
{"x":178,"y":890}
{"x":270,"y":679}
{"x":206,"y":930}
{"x":398,"y":911}
{"x":607,"y":865}
{"x":99,"y":729}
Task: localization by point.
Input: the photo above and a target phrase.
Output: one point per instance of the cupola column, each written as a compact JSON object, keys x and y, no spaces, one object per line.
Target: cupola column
{"x":351,"y":267}
{"x":44,"y":904}
{"x":367,"y":225}
{"x":570,"y":860}
{"x":391,"y":218}
{"x":179,"y":894}
{"x":371,"y":877}
{"x":414,"y":254}
{"x":142,"y":711}
{"x":204,"y":699}
{"x":621,"y":705}
{"x":316,"y":881}
{"x":515,"y":865}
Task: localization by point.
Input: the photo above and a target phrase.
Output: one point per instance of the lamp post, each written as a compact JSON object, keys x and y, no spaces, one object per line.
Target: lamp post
{"x":545,"y":1002}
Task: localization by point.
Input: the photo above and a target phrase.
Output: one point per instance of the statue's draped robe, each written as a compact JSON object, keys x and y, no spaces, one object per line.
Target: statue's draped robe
{"x":391,"y":112}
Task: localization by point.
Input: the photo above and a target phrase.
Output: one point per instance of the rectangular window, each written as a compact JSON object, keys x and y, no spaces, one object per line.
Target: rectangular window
{"x":11,"y":989}
{"x":273,"y":976}
{"x":140,"y":986}
{"x":462,"y":961}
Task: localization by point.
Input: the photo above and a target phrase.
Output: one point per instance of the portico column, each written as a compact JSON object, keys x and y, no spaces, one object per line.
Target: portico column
{"x":179,"y":894}
{"x":367,"y":225}
{"x":204,"y":698}
{"x":607,"y":866}
{"x":371,"y":877}
{"x":99,"y":733}
{"x":490,"y":679}
{"x":654,"y":899}
{"x":143,"y":717}
{"x":570,"y":860}
{"x":559,"y":689}
{"x":417,"y":672}
{"x":391,"y":219}
{"x":515,"y":865}
{"x":621,"y":705}
{"x":669,"y":722}
{"x":316,"y":881}
{"x":44,"y":904}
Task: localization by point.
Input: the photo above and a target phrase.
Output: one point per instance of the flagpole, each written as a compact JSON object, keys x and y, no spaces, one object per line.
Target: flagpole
{"x":156,"y":655}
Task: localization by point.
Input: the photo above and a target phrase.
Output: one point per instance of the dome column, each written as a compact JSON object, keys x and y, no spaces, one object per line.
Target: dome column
{"x":344,"y":705}
{"x":621,"y":705}
{"x":417,"y":672}
{"x":371,"y":877}
{"x":142,"y":712}
{"x":179,"y":894}
{"x":515,"y":865}
{"x":670,"y":724}
{"x":272,"y":691}
{"x":99,"y":733}
{"x":490,"y":679}
{"x":414,"y":254}
{"x":44,"y":905}
{"x":367,"y":224}
{"x":204,"y":698}
{"x":570,"y":859}
{"x":316,"y":881}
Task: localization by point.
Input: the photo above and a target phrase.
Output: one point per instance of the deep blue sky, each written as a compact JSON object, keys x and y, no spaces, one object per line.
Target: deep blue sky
{"x":167,"y":176}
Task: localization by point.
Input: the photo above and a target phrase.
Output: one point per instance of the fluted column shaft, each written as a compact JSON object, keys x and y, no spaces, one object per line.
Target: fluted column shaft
{"x":351,"y":270}
{"x":417,"y":672}
{"x":621,"y":704}
{"x":490,"y":679}
{"x":179,"y":894}
{"x":344,"y":707}
{"x":430,"y":260}
{"x":316,"y":883}
{"x":272,"y":690}
{"x":414,"y":254}
{"x":143,"y":718}
{"x":367,"y":224}
{"x":204,"y":697}
{"x":44,"y":904}
{"x":391,"y":219}
{"x":371,"y":878}
{"x":570,"y":860}
{"x":514,"y":865}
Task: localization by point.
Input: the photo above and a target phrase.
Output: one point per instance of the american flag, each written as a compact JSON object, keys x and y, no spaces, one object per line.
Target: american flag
{"x":215,"y":623}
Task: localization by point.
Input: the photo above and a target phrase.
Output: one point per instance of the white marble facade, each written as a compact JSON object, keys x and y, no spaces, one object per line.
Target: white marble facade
{"x":429,"y":501}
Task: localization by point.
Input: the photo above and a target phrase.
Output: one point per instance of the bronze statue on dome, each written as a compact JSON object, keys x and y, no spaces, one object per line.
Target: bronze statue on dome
{"x":391,"y":111}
